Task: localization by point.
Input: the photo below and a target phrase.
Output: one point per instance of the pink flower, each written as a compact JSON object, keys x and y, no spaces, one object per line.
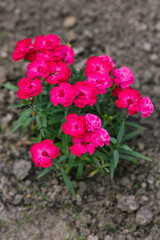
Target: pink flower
{"x":31,"y":55}
{"x":43,"y":153}
{"x":123,"y":76}
{"x":100,"y":83}
{"x":54,"y":54}
{"x":38,"y":68}
{"x":60,"y":73}
{"x":86,"y":94}
{"x":100,"y":137}
{"x":43,"y":43}
{"x":82,"y":145}
{"x":64,"y":94}
{"x":96,"y":68}
{"x":93,"y":122}
{"x":78,"y":149}
{"x":116,"y":91}
{"x":109,"y":62}
{"x":129,"y":98}
{"x":74,"y":126}
{"x":21,"y":49}
{"x":68,"y":54}
{"x":29,"y":88}
{"x":146,"y":107}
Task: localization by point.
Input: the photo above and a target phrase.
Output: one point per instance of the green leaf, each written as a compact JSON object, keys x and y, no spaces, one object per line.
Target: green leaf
{"x":79,"y":172}
{"x":71,"y":159}
{"x":38,"y":121}
{"x":44,"y":121}
{"x":113,"y":140}
{"x":26,"y":123}
{"x":11,"y":87}
{"x":133,"y":134}
{"x":64,"y":157}
{"x":16,"y":126}
{"x":112,"y":167}
{"x":26,"y":113}
{"x":121,"y":132}
{"x":68,"y":183}
{"x":136,"y":154}
{"x":133,"y":124}
{"x":17,"y":106}
{"x":125,"y":147}
{"x":98,"y":165}
{"x":116,"y":158}
{"x":105,"y":156}
{"x":129,"y":158}
{"x":45,"y":171}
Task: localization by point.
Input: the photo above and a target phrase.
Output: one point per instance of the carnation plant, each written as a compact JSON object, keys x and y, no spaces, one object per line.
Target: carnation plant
{"x":77,"y":118}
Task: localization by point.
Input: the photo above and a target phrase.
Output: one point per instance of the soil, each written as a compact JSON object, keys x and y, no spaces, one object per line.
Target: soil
{"x":126,"y":208}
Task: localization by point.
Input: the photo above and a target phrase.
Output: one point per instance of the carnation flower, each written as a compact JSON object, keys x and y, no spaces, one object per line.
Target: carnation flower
{"x":100,"y":83}
{"x":74,"y":126}
{"x":116,"y":91}
{"x":38,"y":68}
{"x":43,"y":153}
{"x":146,"y":107}
{"x":96,"y":68}
{"x":100,"y":137}
{"x":68,"y":54}
{"x":82,"y":145}
{"x":86,"y":94}
{"x":129,"y":98}
{"x":21,"y":49}
{"x":43,"y":43}
{"x":31,"y":55}
{"x":59,"y":73}
{"x":64,"y":94}
{"x":123,"y":76}
{"x":29,"y":88}
{"x":78,"y":149}
{"x":109,"y":62}
{"x":93,"y":122}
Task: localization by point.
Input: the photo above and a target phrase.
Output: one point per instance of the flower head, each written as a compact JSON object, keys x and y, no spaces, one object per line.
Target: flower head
{"x":43,"y":42}
{"x":31,"y":55}
{"x":43,"y":153}
{"x":123,"y":76}
{"x":116,"y":91}
{"x":129,"y":98}
{"x":38,"y":68}
{"x":108,"y":61}
{"x":96,"y":68}
{"x":68,"y":54}
{"x":21,"y":49}
{"x":93,"y":122}
{"x":100,"y":83}
{"x":29,"y":88}
{"x":100,"y":137}
{"x":64,"y":94}
{"x":74,"y":126}
{"x":59,"y":73}
{"x":146,"y":107}
{"x":82,"y":145}
{"x":86,"y":94}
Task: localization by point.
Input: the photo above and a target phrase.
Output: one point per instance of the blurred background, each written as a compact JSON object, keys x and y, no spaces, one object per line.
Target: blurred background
{"x":129,"y":32}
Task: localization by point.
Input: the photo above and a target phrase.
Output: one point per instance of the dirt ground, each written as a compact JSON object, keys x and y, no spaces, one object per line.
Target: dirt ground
{"x":127,"y":208}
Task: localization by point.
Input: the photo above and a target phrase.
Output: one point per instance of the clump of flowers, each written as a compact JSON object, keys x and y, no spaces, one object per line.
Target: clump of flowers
{"x":76,"y":116}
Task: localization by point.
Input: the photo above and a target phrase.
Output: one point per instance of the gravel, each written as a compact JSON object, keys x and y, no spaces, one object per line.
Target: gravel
{"x":144,"y":216}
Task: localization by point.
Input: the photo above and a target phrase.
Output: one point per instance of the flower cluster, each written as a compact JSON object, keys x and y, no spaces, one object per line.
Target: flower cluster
{"x":86,"y":133}
{"x":49,"y":63}
{"x":48,"y":60}
{"x":132,"y":100}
